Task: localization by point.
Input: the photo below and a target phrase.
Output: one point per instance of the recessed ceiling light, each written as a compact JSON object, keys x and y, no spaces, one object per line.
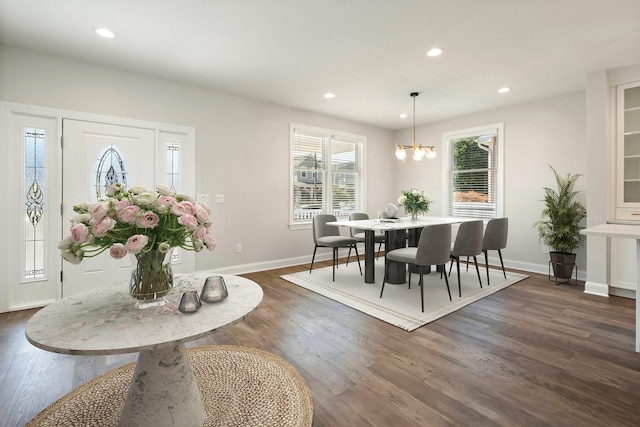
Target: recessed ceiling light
{"x":105,"y":32}
{"x":329,"y":95}
{"x":504,"y":89}
{"x":435,"y":51}
{"x":403,"y":115}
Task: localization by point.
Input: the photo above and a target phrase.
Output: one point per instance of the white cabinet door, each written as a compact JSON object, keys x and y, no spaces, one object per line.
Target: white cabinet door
{"x":95,"y":154}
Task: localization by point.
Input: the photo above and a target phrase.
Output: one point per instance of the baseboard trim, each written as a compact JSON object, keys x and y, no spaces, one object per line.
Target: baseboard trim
{"x":595,"y":288}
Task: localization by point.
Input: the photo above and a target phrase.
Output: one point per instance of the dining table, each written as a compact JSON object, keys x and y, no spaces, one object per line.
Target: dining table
{"x":399,"y":232}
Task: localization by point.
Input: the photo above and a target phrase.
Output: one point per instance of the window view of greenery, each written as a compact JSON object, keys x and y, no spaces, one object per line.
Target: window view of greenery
{"x":473,"y":177}
{"x":312,"y":193}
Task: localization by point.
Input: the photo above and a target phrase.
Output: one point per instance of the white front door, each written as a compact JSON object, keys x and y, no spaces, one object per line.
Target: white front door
{"x":94,"y":155}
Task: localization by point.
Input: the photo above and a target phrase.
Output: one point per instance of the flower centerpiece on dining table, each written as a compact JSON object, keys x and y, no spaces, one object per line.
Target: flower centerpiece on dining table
{"x":145,"y":223}
{"x":415,"y":202}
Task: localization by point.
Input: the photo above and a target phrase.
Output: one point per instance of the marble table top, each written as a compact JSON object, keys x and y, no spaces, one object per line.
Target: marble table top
{"x":106,"y":321}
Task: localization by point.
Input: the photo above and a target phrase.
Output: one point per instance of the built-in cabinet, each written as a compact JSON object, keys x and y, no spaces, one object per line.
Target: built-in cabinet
{"x":627,"y":209}
{"x":628,"y":152}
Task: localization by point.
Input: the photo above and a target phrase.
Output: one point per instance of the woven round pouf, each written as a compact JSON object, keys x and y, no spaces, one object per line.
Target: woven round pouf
{"x":239,"y":386}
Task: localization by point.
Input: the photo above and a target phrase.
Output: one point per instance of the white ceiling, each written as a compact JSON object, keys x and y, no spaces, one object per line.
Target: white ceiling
{"x":370,"y":53}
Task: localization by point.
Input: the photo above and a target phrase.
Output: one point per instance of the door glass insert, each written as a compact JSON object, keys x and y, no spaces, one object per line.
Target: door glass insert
{"x":111,"y":168}
{"x":34,"y":202}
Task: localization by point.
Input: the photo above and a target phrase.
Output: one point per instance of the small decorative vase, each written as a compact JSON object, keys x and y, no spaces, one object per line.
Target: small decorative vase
{"x":414,"y":216}
{"x":151,"y":277}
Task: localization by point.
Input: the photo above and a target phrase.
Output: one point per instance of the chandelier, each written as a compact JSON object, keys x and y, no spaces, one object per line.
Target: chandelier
{"x":419,"y":151}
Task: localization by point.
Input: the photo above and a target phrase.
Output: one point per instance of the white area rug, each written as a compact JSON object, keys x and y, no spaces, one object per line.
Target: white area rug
{"x":399,"y":305}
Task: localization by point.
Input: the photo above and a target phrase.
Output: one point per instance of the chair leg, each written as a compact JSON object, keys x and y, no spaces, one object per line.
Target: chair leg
{"x":450,"y":266}
{"x":384,"y":278}
{"x":486,"y":264}
{"x":335,"y":259}
{"x":379,"y":249}
{"x":459,"y":283}
{"x":313,"y":257}
{"x":348,"y":256}
{"x":502,"y":264}
{"x":446,"y":280}
{"x":475,"y":261}
{"x":467,"y":262}
{"x":358,"y":257}
{"x":421,"y":291}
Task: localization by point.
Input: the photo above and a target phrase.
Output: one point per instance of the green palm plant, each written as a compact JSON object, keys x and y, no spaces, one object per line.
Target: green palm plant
{"x":559,"y":224}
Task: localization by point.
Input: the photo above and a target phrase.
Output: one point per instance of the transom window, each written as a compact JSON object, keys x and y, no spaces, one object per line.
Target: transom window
{"x":326,"y":173}
{"x":474,"y":184}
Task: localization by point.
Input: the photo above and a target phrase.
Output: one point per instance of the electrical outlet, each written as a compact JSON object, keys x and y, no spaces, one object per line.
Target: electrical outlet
{"x":202,"y":198}
{"x":219,"y":198}
{"x":238,"y":248}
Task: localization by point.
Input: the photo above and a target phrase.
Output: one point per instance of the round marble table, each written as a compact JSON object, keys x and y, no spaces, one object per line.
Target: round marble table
{"x":163,"y":390}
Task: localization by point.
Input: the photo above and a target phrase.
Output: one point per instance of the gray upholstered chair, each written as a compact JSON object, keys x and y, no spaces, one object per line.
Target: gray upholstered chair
{"x":433,"y":249}
{"x":468,"y":243}
{"x":358,"y":233}
{"x":328,"y":236}
{"x":495,"y":239}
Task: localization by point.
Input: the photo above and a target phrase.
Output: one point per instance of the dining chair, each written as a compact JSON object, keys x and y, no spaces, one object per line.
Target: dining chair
{"x":495,"y":239}
{"x":328,"y":236}
{"x":433,"y":249}
{"x":358,"y":233}
{"x":468,"y":242}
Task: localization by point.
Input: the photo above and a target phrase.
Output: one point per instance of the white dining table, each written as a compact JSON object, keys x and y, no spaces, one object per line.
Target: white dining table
{"x":395,"y":231}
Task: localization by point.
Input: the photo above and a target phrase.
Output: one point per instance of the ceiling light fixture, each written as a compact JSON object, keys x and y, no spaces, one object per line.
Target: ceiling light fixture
{"x":419,"y":151}
{"x":403,"y":116}
{"x":329,"y":95}
{"x":504,"y":89}
{"x":105,"y":32}
{"x":435,"y":51}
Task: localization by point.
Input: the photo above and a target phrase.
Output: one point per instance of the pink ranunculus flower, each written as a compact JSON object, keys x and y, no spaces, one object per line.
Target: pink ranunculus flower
{"x":210,"y":242}
{"x":101,"y":227}
{"x":118,"y":251}
{"x":136,"y":243}
{"x":100,"y":210}
{"x":189,"y":221}
{"x":200,"y":232}
{"x":201,"y":213}
{"x":129,"y":214}
{"x":188,"y":207}
{"x":178,"y":209}
{"x":80,"y":233}
{"x":148,"y":219}
{"x":166,"y":201}
{"x":121,"y":204}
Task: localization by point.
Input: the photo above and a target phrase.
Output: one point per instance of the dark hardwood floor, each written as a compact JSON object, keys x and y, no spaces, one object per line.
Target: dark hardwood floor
{"x":534,"y":354}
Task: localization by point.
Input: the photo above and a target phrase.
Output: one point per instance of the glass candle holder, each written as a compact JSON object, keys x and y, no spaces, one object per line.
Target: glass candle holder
{"x":214,"y":290}
{"x":190,"y":302}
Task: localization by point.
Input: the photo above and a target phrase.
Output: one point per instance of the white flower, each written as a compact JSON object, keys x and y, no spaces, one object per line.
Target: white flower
{"x":164,"y":190}
{"x":401,"y":200}
{"x":145,"y":198}
{"x":137,"y":189}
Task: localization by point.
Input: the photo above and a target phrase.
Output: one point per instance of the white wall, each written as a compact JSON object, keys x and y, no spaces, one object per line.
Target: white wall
{"x":242,"y":147}
{"x":537,"y":134}
{"x":243,"y":152}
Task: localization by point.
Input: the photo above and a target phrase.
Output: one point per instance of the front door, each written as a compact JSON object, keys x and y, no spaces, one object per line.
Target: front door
{"x":94,"y":156}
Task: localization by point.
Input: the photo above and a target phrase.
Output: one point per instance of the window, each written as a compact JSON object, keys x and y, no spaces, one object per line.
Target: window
{"x":474,"y":184}
{"x":326,"y":173}
{"x":34,"y":201}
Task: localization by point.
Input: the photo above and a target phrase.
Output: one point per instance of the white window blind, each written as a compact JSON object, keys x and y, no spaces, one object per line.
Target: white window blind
{"x":474,"y":184}
{"x":326,"y":174}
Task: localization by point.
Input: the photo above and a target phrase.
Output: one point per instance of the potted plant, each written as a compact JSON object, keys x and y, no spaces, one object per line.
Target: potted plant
{"x":559,"y":224}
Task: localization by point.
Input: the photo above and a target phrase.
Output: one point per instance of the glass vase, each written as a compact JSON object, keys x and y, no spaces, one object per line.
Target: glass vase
{"x":414,"y":216}
{"x":151,"y":277}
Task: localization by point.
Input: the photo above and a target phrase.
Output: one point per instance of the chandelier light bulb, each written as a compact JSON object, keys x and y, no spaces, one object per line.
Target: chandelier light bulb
{"x":419,"y":154}
{"x":431,"y":153}
{"x":401,"y":154}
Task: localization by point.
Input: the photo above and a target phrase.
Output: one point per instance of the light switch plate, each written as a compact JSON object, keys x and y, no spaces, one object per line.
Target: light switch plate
{"x":219,"y":198}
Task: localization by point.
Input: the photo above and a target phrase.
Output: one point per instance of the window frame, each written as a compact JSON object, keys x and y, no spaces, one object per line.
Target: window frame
{"x":327,"y":136}
{"x":447,"y":142}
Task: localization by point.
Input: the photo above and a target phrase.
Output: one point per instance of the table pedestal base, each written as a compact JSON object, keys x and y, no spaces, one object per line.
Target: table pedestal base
{"x":163,"y":390}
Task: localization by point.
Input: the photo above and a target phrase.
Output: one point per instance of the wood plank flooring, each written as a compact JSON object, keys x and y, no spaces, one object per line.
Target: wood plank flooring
{"x":534,"y":354}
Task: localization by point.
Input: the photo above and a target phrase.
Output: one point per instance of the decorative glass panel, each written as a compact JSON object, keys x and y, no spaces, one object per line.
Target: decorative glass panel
{"x":34,"y":201}
{"x":173,"y":166}
{"x":111,"y":168}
